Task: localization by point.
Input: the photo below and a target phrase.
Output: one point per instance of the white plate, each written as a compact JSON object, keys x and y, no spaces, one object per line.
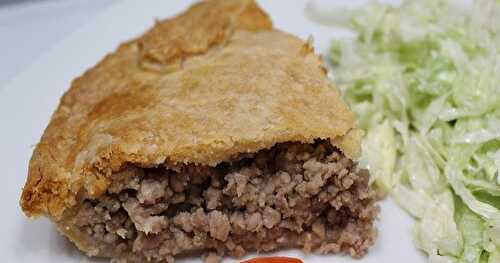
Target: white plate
{"x":28,"y":101}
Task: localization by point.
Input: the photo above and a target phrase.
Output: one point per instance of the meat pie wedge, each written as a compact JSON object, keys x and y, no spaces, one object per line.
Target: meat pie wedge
{"x":211,"y":133}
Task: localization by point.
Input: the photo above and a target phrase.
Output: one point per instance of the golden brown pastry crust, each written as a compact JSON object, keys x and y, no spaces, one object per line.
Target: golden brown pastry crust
{"x":184,"y":93}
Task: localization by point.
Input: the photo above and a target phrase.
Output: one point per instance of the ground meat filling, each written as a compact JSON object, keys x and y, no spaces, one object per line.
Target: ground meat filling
{"x":292,"y":195}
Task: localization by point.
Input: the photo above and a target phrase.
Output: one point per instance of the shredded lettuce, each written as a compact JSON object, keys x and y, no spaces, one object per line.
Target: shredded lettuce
{"x":424,"y":79}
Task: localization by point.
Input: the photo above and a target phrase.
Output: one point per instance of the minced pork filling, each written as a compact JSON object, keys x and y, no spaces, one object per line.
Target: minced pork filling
{"x":292,"y":195}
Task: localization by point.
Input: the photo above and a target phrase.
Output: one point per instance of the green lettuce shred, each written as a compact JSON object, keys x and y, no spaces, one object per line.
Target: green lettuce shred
{"x":424,"y":79}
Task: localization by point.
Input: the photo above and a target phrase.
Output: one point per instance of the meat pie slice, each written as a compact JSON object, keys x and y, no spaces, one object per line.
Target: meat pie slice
{"x":212,"y":132}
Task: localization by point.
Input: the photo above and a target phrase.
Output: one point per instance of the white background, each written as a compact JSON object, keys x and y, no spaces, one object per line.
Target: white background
{"x":29,"y":99}
{"x":30,"y":27}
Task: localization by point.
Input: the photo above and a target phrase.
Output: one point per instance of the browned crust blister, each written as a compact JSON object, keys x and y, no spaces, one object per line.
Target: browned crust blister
{"x":215,"y":81}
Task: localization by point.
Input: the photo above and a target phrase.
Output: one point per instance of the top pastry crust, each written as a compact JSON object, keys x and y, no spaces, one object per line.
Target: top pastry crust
{"x":215,"y":81}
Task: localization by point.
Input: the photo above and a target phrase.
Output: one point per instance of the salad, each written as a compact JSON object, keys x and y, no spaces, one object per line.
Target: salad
{"x":424,"y":80}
